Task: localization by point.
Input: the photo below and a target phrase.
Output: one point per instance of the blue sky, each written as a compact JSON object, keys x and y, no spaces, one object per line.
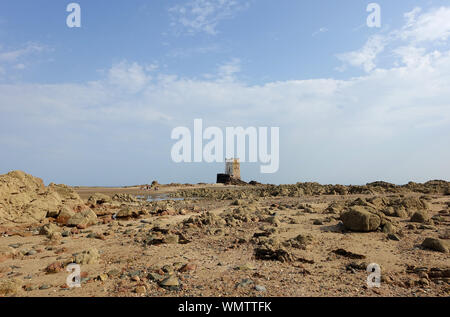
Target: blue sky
{"x":96,"y":105}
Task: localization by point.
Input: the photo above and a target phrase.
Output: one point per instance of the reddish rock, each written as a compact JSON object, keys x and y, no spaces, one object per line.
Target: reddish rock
{"x":188,"y":267}
{"x":55,"y":267}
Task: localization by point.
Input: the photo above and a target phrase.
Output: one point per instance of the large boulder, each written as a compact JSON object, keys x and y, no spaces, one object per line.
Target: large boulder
{"x":99,"y":199}
{"x":49,"y":229}
{"x":125,"y":198}
{"x":357,"y":218}
{"x":435,"y":245}
{"x":83,"y":219}
{"x":64,"y":215}
{"x":420,"y":216}
{"x":25,"y":199}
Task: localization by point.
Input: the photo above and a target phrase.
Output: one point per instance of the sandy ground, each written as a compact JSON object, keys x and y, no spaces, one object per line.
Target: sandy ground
{"x":223,"y":263}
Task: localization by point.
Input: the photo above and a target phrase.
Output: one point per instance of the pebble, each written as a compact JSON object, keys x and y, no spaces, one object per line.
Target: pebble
{"x":170,"y":282}
{"x":188,"y":268}
{"x":155,"y":277}
{"x":244,"y":283}
{"x":140,"y":290}
{"x":245,"y":267}
{"x":103,"y":277}
{"x":31,"y":252}
{"x":135,"y":278}
{"x":113,"y":273}
{"x":260,"y":288}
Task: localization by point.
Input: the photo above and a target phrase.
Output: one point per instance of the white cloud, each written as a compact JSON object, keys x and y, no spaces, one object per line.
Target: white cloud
{"x":321,"y":30}
{"x":430,"y":26}
{"x":365,"y":57}
{"x":130,"y":76}
{"x":229,"y":69}
{"x":14,"y":55}
{"x":17,"y":59}
{"x":204,"y":15}
{"x":410,"y":43}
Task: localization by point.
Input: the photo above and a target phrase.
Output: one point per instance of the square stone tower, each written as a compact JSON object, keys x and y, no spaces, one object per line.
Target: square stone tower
{"x":233,"y":168}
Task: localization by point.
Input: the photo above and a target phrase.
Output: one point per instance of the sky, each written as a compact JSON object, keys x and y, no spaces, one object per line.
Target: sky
{"x":96,"y":105}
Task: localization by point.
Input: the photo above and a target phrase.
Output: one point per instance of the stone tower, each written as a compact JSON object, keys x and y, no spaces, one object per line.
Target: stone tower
{"x":233,"y":168}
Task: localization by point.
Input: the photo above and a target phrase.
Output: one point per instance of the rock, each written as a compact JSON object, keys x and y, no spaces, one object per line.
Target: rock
{"x":435,"y":245}
{"x":31,"y":252}
{"x":103,"y":277}
{"x":155,"y":277}
{"x":90,"y":256}
{"x":53,"y":213}
{"x":238,"y":202}
{"x":168,"y":269}
{"x":83,"y":219}
{"x":95,"y":235}
{"x":6,"y":253}
{"x":10,"y":287}
{"x":393,"y":236}
{"x":361,"y":220}
{"x":317,"y":222}
{"x":188,"y":268}
{"x":302,"y":241}
{"x":171,"y":283}
{"x":124,"y":198}
{"x":349,"y":254}
{"x":171,"y":239}
{"x":114,"y":273}
{"x":126,"y":212}
{"x":49,"y":229}
{"x":99,"y":199}
{"x":53,"y":268}
{"x":411,"y":226}
{"x":420,"y":216}
{"x":55,"y":236}
{"x":270,"y":253}
{"x":401,"y":212}
{"x":65,"y":214}
{"x":260,"y":288}
{"x":389,"y":228}
{"x":140,"y":290}
{"x":135,"y":278}
{"x":245,"y":267}
{"x":274,"y":221}
{"x":244,"y":283}
{"x":25,"y":199}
